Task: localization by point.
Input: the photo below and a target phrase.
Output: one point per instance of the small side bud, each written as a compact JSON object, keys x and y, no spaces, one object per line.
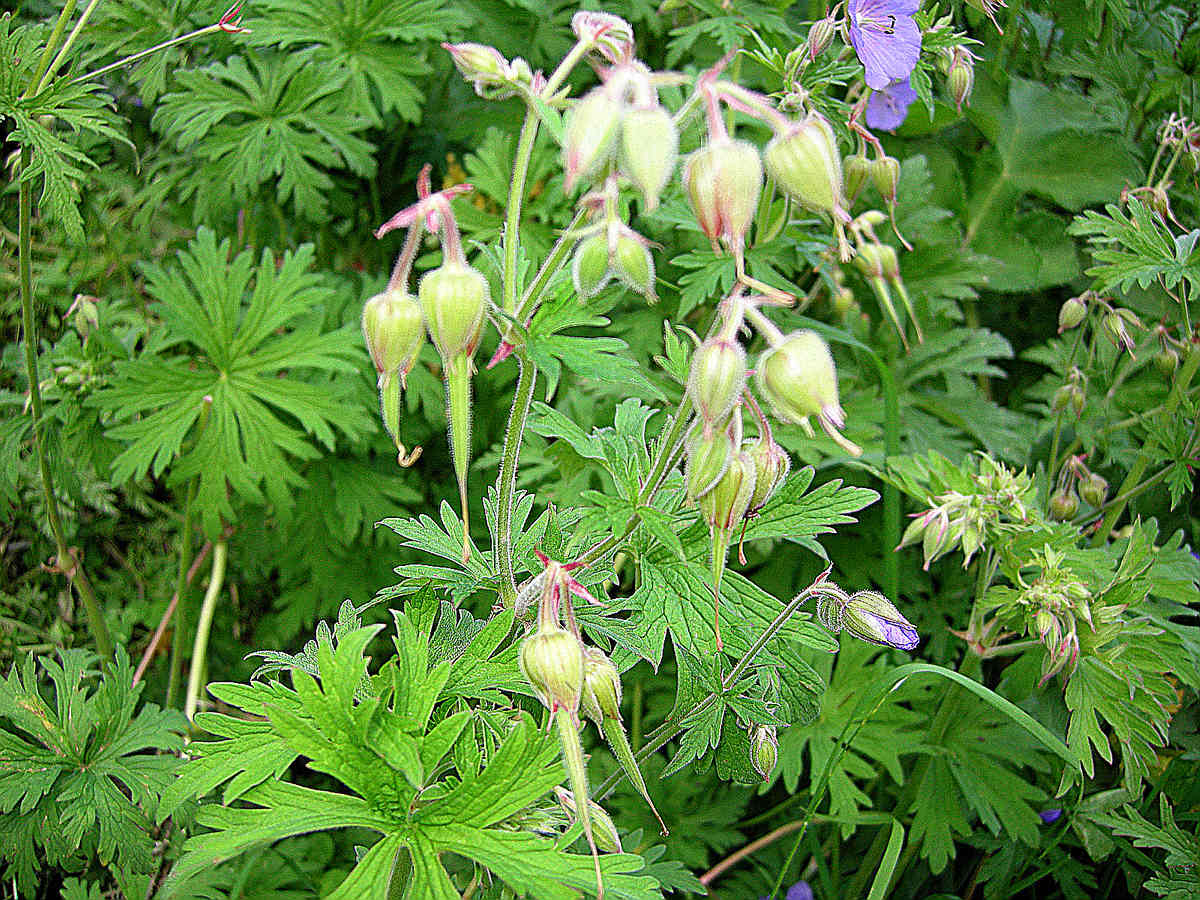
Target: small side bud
{"x":394,"y":331}
{"x":708,"y":455}
{"x":589,"y":268}
{"x":454,"y":298}
{"x":649,"y":149}
{"x":1071,"y":314}
{"x":771,"y":467}
{"x":726,"y":504}
{"x":609,"y":35}
{"x":717,"y":378}
{"x":479,"y":64}
{"x":764,"y":750}
{"x":634,"y":265}
{"x":591,"y":131}
{"x":604,"y":830}
{"x":960,"y":77}
{"x":1064,"y":504}
{"x":885,"y":173}
{"x":601,"y":697}
{"x":856,"y":170}
{"x":1094,"y":489}
{"x":1166,"y":361}
{"x":820,"y":36}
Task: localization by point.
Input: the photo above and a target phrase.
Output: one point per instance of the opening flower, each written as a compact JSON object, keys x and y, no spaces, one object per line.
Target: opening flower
{"x":885,"y":37}
{"x":887,"y":109}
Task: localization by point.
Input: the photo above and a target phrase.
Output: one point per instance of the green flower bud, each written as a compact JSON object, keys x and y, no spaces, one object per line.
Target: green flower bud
{"x":878,"y":261}
{"x":717,"y":378}
{"x":1115,"y":325}
{"x":1167,"y":361}
{"x":1094,"y":489}
{"x":771,"y":467}
{"x":394,"y":331}
{"x":551,"y":659}
{"x":843,"y":301}
{"x":649,"y":148}
{"x":857,"y":170}
{"x":634,"y":265}
{"x":1069,"y":396}
{"x":1071,"y":314}
{"x":723,"y":181}
{"x":820,"y":36}
{"x":591,"y":131}
{"x":589,"y":269}
{"x":454,"y":298}
{"x":764,"y":750}
{"x":1064,"y":505}
{"x":805,"y":163}
{"x":885,"y":173}
{"x":708,"y":453}
{"x":604,"y":830}
{"x":601,"y":686}
{"x":726,"y":504}
{"x":798,"y":377}
{"x":960,"y":77}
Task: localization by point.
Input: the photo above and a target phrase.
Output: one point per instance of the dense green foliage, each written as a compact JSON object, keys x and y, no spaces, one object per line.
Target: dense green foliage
{"x":195,"y":476}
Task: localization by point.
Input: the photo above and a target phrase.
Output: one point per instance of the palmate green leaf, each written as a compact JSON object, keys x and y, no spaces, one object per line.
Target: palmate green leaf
{"x":1137,"y":247}
{"x":1182,"y":862}
{"x":368,"y":43}
{"x":76,"y":774}
{"x":39,"y":123}
{"x":259,"y":120}
{"x":224,"y":415}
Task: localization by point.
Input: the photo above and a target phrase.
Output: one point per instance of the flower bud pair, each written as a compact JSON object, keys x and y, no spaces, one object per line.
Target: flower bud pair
{"x":600,"y":257}
{"x":724,"y":180}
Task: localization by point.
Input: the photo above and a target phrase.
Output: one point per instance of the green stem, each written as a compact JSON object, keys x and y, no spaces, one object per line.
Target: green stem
{"x":513,"y":436}
{"x":891,"y":493}
{"x":51,"y":45}
{"x":66,"y":47}
{"x":554,"y":262}
{"x":512,"y":221}
{"x":204,"y":626}
{"x":181,"y":590}
{"x":1182,"y":382}
{"x":572,"y":749}
{"x":130,"y":60}
{"x":458,"y":410}
{"x":66,"y":559}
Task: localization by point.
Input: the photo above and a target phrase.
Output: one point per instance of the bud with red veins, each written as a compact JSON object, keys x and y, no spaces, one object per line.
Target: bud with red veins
{"x":649,"y":150}
{"x":798,"y":378}
{"x":764,"y":750}
{"x":724,"y":180}
{"x":592,"y":130}
{"x":1071,"y":314}
{"x":394,"y":331}
{"x":820,"y":36}
{"x":551,"y":659}
{"x":609,"y":35}
{"x":717,"y":378}
{"x":481,"y":65}
{"x":960,"y":76}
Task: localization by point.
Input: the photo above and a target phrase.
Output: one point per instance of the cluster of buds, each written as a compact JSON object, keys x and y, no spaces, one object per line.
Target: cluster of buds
{"x":1178,"y":142}
{"x":997,"y":501}
{"x":1072,"y":394}
{"x":866,"y":615}
{"x":879,"y":264}
{"x":1050,"y":607}
{"x":451,"y":304}
{"x":568,"y":676}
{"x":731,"y":479}
{"x":608,"y":248}
{"x":1076,"y":480}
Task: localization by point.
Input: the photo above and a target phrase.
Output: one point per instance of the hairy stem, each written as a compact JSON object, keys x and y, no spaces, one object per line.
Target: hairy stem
{"x":182,"y":585}
{"x":66,"y":47}
{"x":52,"y":44}
{"x":204,"y":626}
{"x":165,"y":45}
{"x":507,"y":480}
{"x":70,"y":565}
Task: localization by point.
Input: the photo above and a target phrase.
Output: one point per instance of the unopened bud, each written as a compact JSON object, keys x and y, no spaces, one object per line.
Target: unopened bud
{"x":1094,"y":489}
{"x":820,"y":36}
{"x":1115,"y":323}
{"x":885,"y":173}
{"x":480,"y":64}
{"x":591,"y":131}
{"x":857,"y":169}
{"x":717,"y":378}
{"x":649,"y":148}
{"x":805,"y":163}
{"x":604,"y":830}
{"x":1167,"y":361}
{"x":394,"y":331}
{"x":1071,"y":314}
{"x":726,"y":504}
{"x":1048,"y":629}
{"x":873,"y":618}
{"x":877,"y":261}
{"x":551,"y":659}
{"x":723,"y":181}
{"x":708,"y":453}
{"x":454,"y":298}
{"x":960,"y":77}
{"x":798,"y":377}
{"x":601,"y":697}
{"x":843,"y":301}
{"x":634,"y":265}
{"x":589,"y":268}
{"x":1064,"y":504}
{"x":1069,"y":396}
{"x":764,"y":750}
{"x":610,"y":35}
{"x":771,"y":466}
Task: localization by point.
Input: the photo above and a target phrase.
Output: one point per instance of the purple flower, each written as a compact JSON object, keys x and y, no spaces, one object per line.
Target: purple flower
{"x":887,"y":109}
{"x":885,"y":37}
{"x":798,"y":891}
{"x":1049,"y":815}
